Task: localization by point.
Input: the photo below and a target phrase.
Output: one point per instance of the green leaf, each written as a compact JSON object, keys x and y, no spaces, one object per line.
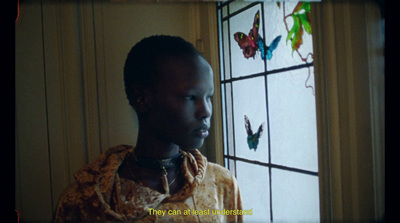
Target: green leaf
{"x":301,"y":21}
{"x":302,"y":5}
{"x":296,"y":33}
{"x":305,"y":21}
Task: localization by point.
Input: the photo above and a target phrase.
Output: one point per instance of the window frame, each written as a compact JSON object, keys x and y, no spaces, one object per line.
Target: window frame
{"x":229,"y":158}
{"x":334,"y":110}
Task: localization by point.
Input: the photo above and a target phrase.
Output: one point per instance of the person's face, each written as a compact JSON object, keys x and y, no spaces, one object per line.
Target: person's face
{"x":181,"y":108}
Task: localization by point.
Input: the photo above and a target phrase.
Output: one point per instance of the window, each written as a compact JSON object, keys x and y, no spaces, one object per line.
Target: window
{"x":267,"y":79}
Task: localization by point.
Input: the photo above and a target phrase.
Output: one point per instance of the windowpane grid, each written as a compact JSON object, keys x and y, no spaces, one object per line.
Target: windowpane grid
{"x":279,"y":92}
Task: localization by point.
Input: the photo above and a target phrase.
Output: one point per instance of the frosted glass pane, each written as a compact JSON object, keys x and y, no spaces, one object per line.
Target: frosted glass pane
{"x":224,"y":11}
{"x":253,"y":182}
{"x":224,"y":122}
{"x":293,"y":120}
{"x":232,"y":166}
{"x":249,"y":99}
{"x":295,"y":197}
{"x":241,"y":66}
{"x":227,"y":56}
{"x":274,"y":26}
{"x":229,"y":143}
{"x":233,"y":7}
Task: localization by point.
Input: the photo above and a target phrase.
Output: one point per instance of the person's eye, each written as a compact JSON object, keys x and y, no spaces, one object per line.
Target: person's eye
{"x":190,"y":97}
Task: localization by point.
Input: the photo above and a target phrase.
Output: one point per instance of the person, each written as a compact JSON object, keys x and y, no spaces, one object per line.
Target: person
{"x":164,"y":178}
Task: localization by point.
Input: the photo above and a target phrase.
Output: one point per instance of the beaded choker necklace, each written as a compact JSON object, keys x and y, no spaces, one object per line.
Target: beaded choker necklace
{"x":159,"y":164}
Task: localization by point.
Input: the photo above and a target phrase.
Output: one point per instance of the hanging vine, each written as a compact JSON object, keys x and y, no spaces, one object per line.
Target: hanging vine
{"x":301,"y":16}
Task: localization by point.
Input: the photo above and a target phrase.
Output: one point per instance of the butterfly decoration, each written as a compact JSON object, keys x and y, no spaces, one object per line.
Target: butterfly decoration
{"x":253,"y":42}
{"x":253,"y":139}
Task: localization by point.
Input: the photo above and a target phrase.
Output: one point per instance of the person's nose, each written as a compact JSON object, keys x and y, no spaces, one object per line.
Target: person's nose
{"x":204,"y":109}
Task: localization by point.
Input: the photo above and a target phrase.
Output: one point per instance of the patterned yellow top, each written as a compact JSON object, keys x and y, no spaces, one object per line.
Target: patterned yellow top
{"x":210,"y":194}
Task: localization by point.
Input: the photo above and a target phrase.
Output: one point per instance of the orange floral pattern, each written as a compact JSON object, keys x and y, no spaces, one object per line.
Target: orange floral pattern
{"x":99,"y":194}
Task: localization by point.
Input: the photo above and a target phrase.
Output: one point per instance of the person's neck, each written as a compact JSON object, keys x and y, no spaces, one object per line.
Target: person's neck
{"x":151,"y":147}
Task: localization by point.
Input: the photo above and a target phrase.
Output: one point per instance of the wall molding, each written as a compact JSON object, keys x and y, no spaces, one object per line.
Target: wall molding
{"x":89,"y":80}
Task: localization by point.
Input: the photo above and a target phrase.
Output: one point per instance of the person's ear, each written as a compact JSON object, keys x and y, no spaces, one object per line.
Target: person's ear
{"x":141,"y":98}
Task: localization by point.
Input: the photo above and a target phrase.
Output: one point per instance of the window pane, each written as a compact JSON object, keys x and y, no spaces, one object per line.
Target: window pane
{"x":224,"y":11}
{"x":238,"y":5}
{"x":241,"y":66}
{"x":279,"y":92}
{"x":274,"y":26}
{"x":254,"y":190}
{"x":292,"y":115}
{"x":249,"y":99}
{"x":227,"y":56}
{"x":229,"y":143}
{"x":295,"y":197}
{"x":224,"y":122}
{"x":232,"y":166}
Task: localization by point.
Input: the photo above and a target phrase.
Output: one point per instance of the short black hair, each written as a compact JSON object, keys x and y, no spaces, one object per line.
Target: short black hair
{"x":140,"y":65}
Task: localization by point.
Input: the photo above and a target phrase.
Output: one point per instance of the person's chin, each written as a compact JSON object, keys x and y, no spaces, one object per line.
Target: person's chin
{"x":193,"y":145}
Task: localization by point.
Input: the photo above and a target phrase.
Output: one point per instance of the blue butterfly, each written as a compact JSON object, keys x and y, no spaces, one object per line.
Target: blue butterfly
{"x":253,"y":139}
{"x":270,"y":48}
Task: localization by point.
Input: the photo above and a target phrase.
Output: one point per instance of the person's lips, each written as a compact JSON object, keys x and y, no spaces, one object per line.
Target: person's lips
{"x":202,"y":131}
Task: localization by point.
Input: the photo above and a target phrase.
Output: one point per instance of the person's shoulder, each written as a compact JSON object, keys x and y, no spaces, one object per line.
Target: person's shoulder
{"x":71,"y":193}
{"x":219,"y":172}
{"x":70,"y":198}
{"x":122,"y":148}
{"x":217,"y":168}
